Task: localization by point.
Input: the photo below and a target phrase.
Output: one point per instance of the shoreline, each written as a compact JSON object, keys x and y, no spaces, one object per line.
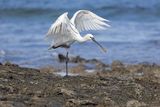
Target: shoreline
{"x":121,"y":86}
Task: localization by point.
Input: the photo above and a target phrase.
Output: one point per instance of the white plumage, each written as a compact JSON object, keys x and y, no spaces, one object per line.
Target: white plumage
{"x":86,"y":20}
{"x":63,"y":32}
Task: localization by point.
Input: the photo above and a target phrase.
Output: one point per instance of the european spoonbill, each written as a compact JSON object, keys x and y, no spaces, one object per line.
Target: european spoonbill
{"x":64,"y":32}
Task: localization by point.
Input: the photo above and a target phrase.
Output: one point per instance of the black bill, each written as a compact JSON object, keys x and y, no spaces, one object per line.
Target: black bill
{"x":103,"y":49}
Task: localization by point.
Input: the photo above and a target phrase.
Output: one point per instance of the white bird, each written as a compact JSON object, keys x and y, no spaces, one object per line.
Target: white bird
{"x":64,"y":32}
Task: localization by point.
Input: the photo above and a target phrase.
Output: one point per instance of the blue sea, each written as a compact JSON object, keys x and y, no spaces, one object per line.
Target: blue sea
{"x":134,"y":35}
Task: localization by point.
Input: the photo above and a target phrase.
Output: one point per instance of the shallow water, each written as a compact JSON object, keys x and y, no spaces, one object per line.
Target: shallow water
{"x":133,"y":38}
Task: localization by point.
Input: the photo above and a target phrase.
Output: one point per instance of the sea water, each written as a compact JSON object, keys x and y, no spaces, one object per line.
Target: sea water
{"x":134,"y":35}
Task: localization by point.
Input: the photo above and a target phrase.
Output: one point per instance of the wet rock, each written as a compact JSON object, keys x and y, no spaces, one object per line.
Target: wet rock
{"x":10,"y":64}
{"x":76,"y":59}
{"x":79,"y":103}
{"x":135,"y":103}
{"x":61,"y":58}
{"x":92,"y":61}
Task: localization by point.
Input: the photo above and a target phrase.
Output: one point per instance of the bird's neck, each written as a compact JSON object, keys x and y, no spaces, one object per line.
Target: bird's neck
{"x":83,"y":39}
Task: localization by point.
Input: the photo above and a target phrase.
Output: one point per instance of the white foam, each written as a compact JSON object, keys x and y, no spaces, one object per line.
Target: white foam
{"x":64,"y":74}
{"x":2,"y":52}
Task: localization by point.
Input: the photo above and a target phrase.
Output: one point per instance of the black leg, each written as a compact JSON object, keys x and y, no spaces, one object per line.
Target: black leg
{"x":67,"y":59}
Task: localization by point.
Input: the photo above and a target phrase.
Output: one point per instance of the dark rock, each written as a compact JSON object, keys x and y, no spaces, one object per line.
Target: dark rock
{"x":79,"y":103}
{"x":77,"y":59}
{"x":10,"y":64}
{"x":61,"y":58}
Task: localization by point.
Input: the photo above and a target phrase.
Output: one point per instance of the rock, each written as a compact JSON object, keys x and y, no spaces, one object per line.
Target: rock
{"x":6,"y":104}
{"x":87,"y":103}
{"x":78,"y":59}
{"x":6,"y":89}
{"x":61,"y":58}
{"x":79,"y":69}
{"x":78,"y":102}
{"x":135,"y":103}
{"x":102,"y":67}
{"x":72,"y":103}
{"x":118,"y":68}
{"x":20,"y":87}
{"x":10,"y":64}
{"x":11,"y":104}
{"x":138,"y":90}
{"x":107,"y":102}
{"x":93,"y":61}
{"x":117,"y":65}
{"x":65,"y":92}
{"x":48,"y":70}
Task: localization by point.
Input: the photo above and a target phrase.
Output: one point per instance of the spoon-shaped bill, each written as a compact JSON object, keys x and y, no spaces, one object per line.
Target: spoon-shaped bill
{"x":103,"y":49}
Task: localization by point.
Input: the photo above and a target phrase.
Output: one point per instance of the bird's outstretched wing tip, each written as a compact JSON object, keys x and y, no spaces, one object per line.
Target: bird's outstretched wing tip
{"x":85,"y":20}
{"x":108,"y":26}
{"x":65,"y":14}
{"x":106,"y":20}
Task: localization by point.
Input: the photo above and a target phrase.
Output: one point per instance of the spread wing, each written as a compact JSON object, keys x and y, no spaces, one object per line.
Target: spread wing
{"x":86,"y":20}
{"x":62,"y":32}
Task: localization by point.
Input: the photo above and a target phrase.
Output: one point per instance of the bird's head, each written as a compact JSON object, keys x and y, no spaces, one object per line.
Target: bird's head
{"x":91,"y":37}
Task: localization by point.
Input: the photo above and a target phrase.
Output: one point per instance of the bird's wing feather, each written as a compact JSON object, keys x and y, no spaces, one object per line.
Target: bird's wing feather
{"x":87,"y":20}
{"x":62,"y":32}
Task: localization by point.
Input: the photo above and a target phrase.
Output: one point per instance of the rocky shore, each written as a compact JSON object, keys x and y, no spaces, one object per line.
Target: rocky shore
{"x":115,"y":85}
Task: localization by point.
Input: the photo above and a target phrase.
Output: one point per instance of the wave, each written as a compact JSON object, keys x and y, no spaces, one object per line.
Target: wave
{"x":70,"y":4}
{"x":108,"y":12}
{"x":149,"y":8}
{"x":26,"y":11}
